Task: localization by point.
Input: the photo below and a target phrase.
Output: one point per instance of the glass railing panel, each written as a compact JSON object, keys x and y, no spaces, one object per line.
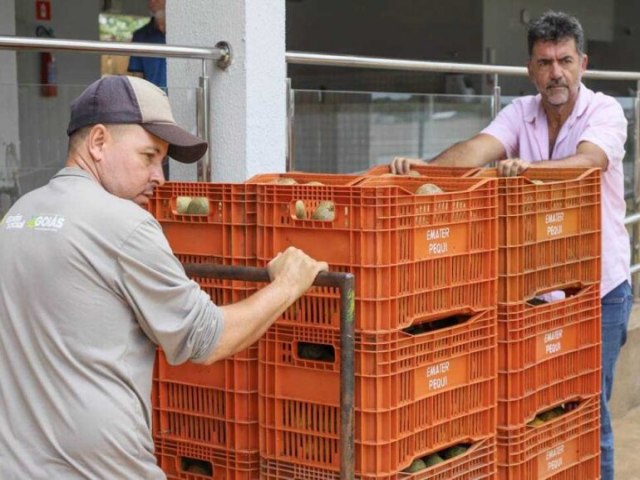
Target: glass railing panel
{"x":347,"y":132}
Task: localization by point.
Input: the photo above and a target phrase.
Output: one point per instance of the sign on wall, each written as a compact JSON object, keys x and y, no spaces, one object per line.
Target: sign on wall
{"x":43,"y":10}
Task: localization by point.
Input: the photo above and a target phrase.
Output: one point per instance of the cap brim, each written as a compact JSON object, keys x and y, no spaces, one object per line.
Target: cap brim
{"x":183,"y":146}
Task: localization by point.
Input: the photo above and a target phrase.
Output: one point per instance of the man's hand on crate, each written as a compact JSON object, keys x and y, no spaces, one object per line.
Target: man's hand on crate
{"x":292,"y":272}
{"x":402,"y":165}
{"x":295,"y":270}
{"x":512,"y":167}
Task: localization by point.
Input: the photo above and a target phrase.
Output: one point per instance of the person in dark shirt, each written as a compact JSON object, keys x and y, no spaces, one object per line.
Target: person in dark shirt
{"x":153,"y":69}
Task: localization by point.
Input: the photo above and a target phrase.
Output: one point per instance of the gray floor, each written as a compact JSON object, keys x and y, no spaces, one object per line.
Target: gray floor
{"x":625,"y":404}
{"x":627,"y":434}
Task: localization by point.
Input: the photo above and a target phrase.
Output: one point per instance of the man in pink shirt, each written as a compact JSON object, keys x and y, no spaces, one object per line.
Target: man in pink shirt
{"x":565,"y":125}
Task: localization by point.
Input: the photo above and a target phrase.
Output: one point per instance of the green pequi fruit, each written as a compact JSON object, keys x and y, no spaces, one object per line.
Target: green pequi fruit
{"x":428,"y":189}
{"x":325,"y":210}
{"x":433,"y":459}
{"x":551,"y":414}
{"x":198,"y":206}
{"x":454,"y":451}
{"x":182,"y":204}
{"x":316,"y":351}
{"x":200,"y":470}
{"x":301,"y":211}
{"x":417,"y":465}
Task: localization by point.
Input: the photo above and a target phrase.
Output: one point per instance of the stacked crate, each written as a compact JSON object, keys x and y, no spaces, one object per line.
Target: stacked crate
{"x":206,"y":417}
{"x":549,"y":350}
{"x":425,"y":270}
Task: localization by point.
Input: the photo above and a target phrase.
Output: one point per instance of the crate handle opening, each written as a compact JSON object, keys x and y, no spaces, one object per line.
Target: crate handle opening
{"x":432,"y":325}
{"x":318,"y":352}
{"x":549,"y":414}
{"x":194,"y":465}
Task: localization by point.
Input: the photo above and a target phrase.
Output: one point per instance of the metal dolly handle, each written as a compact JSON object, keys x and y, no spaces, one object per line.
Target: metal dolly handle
{"x":345,"y":283}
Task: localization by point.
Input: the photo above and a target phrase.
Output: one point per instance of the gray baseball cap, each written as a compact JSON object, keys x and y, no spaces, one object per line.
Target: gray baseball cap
{"x":124,"y":99}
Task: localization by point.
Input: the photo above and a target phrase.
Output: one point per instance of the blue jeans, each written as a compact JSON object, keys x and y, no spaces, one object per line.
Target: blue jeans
{"x":616,"y":307}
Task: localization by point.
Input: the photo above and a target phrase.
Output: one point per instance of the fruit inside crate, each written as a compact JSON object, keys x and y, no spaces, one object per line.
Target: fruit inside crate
{"x":565,"y":446}
{"x":425,"y":386}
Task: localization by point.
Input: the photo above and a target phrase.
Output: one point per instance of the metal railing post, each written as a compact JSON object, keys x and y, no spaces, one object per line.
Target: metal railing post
{"x":290,"y":158}
{"x":496,"y":96}
{"x":204,"y":126}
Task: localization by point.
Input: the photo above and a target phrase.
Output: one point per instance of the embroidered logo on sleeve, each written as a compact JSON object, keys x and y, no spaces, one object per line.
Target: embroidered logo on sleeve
{"x":12,"y":222}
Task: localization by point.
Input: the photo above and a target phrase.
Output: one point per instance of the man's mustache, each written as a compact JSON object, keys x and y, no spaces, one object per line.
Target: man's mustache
{"x":556,"y":84}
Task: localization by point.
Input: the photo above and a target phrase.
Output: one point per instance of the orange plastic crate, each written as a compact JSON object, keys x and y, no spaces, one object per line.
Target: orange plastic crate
{"x":428,"y":171}
{"x":306,"y":177}
{"x":478,"y":463}
{"x":211,"y":404}
{"x":214,"y":405}
{"x":226,"y":232}
{"x":176,"y":459}
{"x":567,"y":447}
{"x":414,"y":257}
{"x":413,"y":393}
{"x":547,"y":354}
{"x":549,"y":233}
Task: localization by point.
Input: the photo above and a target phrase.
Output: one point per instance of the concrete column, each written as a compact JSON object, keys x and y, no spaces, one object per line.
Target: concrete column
{"x":9,"y":134}
{"x":248,"y":100}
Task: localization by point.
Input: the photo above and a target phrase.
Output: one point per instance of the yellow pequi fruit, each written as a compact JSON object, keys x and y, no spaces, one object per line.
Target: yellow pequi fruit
{"x":182,"y":204}
{"x":315,"y":183}
{"x":417,"y":465}
{"x":413,"y":173}
{"x":284,"y":181}
{"x":198,"y":206}
{"x":536,"y":422}
{"x":325,"y":210}
{"x":428,"y":189}
{"x":537,"y":182}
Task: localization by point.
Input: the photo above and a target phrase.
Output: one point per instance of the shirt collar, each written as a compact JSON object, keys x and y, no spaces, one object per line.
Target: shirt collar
{"x":73,"y":172}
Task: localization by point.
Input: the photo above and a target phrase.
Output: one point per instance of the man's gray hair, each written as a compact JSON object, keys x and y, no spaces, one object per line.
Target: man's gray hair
{"x":553,"y":27}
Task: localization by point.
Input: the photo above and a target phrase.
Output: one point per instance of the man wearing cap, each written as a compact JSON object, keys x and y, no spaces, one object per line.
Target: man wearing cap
{"x":89,"y":287}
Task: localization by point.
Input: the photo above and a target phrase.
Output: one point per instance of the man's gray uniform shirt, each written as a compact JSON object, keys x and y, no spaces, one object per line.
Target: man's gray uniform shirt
{"x":88,"y":288}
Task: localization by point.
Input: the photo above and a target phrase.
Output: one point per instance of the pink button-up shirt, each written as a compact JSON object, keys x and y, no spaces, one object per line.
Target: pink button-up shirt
{"x":522,"y":129}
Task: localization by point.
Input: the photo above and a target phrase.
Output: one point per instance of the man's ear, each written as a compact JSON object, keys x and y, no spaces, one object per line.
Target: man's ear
{"x":96,"y":140}
{"x":584,"y":62}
